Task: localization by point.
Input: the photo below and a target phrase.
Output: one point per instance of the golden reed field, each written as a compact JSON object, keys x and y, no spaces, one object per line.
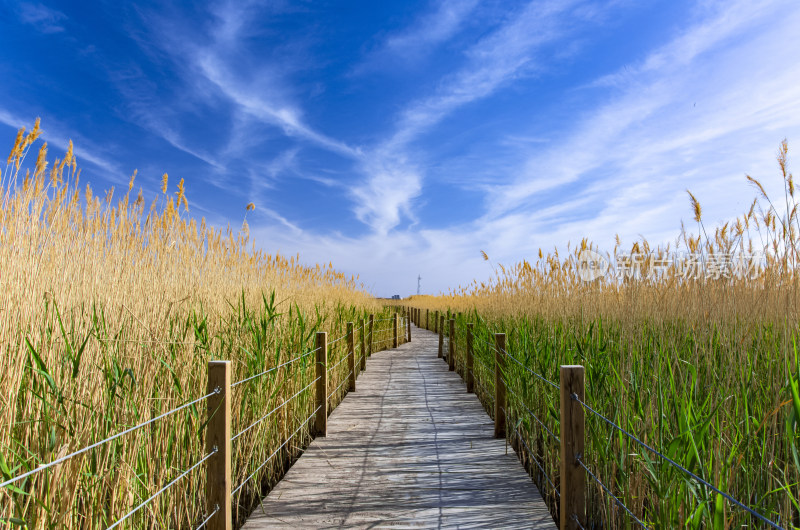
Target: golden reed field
{"x":699,"y":362}
{"x":110,"y":308}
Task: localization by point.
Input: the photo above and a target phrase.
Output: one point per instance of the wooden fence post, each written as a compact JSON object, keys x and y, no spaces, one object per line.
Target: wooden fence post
{"x":321,"y":420}
{"x":409,"y":327}
{"x":468,"y":376}
{"x":394,"y":341}
{"x":573,"y":477}
{"x":351,"y":356}
{"x":451,"y":351}
{"x":218,"y":435}
{"x":441,"y":337}
{"x":427,"y":319}
{"x":369,"y":340}
{"x":499,"y":385}
{"x":436,"y":322}
{"x":361,"y":341}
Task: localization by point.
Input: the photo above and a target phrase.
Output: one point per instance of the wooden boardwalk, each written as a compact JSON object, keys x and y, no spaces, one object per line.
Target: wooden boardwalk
{"x":409,"y":449}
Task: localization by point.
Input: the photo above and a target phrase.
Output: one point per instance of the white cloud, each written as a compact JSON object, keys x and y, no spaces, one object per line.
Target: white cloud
{"x":413,"y":43}
{"x":252,"y":101}
{"x":698,"y":113}
{"x":392,"y":184}
{"x":43,"y":18}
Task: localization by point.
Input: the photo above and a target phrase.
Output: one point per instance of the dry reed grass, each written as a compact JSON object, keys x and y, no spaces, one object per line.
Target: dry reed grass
{"x":706,"y":369}
{"x":110,"y":309}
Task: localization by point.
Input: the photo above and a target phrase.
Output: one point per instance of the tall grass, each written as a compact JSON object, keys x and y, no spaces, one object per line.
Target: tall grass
{"x":110,"y":309}
{"x":704,"y":369}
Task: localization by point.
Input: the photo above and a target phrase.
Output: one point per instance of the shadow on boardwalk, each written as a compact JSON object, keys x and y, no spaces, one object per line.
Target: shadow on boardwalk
{"x":409,"y":448}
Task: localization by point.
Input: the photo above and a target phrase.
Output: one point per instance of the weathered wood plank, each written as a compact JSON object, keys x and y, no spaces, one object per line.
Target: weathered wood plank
{"x":410,"y":449}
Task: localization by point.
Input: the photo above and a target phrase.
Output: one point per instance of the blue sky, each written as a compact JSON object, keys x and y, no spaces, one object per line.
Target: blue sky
{"x":401,"y":138}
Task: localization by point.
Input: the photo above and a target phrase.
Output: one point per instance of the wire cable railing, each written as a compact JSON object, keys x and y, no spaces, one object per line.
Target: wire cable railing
{"x":331,"y":343}
{"x":340,"y":361}
{"x":275,"y":452}
{"x":207,"y":519}
{"x":676,"y":465}
{"x":488,"y":394}
{"x":219,"y":381}
{"x":534,"y":416}
{"x":486,"y":365}
{"x":106,"y":440}
{"x":162,"y":490}
{"x":344,"y":381}
{"x":540,"y":376}
{"x":485,"y":342}
{"x":273,"y":411}
{"x":274,"y":368}
{"x":579,"y":460}
{"x":536,"y":461}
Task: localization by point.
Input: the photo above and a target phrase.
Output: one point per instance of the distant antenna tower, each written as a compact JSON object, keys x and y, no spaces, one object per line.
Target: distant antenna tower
{"x":419,"y":279}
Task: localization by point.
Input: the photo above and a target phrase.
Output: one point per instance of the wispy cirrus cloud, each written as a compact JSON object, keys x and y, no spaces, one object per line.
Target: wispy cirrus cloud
{"x":510,"y":51}
{"x":699,"y":112}
{"x":441,"y":22}
{"x":252,"y":101}
{"x":41,"y":17}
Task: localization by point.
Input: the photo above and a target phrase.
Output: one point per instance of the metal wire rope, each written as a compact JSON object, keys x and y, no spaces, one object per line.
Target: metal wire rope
{"x":110,"y":438}
{"x":237,"y":383}
{"x":676,"y":465}
{"x":162,"y":490}
{"x":270,"y":413}
{"x":240,"y":486}
{"x":579,"y":459}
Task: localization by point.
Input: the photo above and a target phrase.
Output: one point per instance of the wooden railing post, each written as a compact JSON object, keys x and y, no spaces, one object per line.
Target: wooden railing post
{"x":394,"y":341}
{"x":436,"y":322}
{"x":440,"y":325}
{"x":573,"y":477}
{"x":351,"y":356}
{"x":427,"y":319}
{"x":409,"y":327}
{"x":468,"y":376}
{"x":451,"y":351}
{"x":499,"y":385}
{"x":369,"y":340}
{"x":361,"y":334}
{"x":218,"y":436}
{"x":321,"y":420}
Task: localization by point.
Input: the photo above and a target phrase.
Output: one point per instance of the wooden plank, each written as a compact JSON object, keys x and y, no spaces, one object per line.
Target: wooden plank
{"x":351,"y":357}
{"x":361,"y":333}
{"x":218,"y":437}
{"x":468,"y":375}
{"x":409,"y":449}
{"x":321,"y":420}
{"x":451,"y":346}
{"x":499,"y":385}
{"x":573,"y":477}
